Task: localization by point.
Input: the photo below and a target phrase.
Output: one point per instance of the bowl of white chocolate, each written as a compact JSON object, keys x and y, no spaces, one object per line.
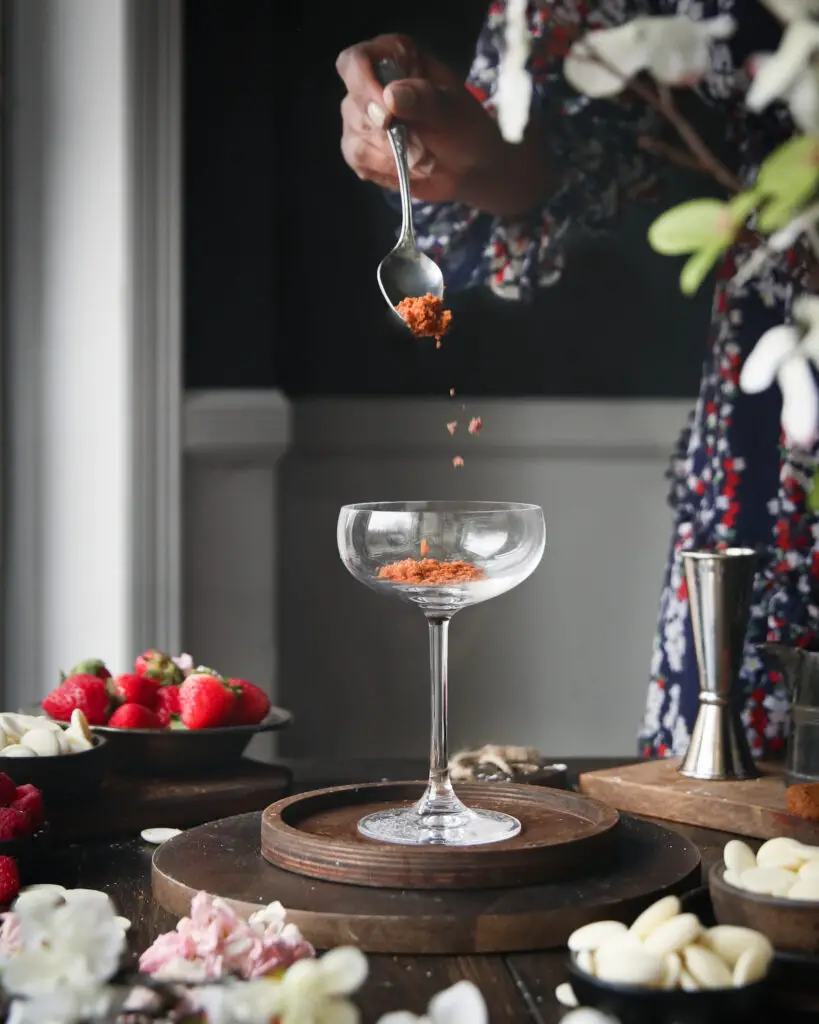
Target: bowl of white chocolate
{"x":775,"y":889}
{"x":60,"y":760}
{"x":668,"y":968}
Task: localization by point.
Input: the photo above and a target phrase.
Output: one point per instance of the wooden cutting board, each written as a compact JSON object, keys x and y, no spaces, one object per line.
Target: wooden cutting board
{"x":125,"y":805}
{"x":655,"y":789}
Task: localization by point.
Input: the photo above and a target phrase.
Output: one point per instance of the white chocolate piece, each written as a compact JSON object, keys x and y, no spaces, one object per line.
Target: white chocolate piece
{"x":79,"y":723}
{"x":674,"y":934}
{"x":564,"y":994}
{"x":790,"y":858}
{"x":732,"y":878}
{"x":585,"y":961}
{"x":809,"y":853}
{"x":622,"y":941}
{"x":157,"y":836}
{"x":44,"y":887}
{"x":43,"y":742}
{"x":626,"y":966}
{"x":772,"y":852}
{"x":731,"y":941}
{"x":768,"y":881}
{"x":810,"y":869}
{"x":85,"y":896}
{"x":738,"y":856}
{"x":672,"y":968}
{"x":592,"y":936}
{"x":805,"y":889}
{"x":16,"y":750}
{"x":655,"y":915}
{"x":752,"y":966}
{"x":37,"y":898}
{"x":706,"y":968}
{"x":688,"y":983}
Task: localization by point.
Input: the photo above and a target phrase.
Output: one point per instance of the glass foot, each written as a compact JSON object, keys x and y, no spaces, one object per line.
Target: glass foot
{"x":405,"y":826}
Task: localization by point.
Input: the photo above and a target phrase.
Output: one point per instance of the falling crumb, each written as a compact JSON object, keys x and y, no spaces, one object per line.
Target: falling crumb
{"x":425,"y":316}
{"x":452,"y":426}
{"x":437,"y":342}
{"x":457,"y":462}
{"x":424,"y":548}
{"x":452,"y":392}
{"x":475,"y":425}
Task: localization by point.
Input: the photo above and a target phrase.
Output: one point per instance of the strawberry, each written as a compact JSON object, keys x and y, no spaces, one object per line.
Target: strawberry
{"x":206,"y":700}
{"x":8,"y":790}
{"x":252,"y":703}
{"x":91,"y":667}
{"x":129,"y":688}
{"x":14,"y":824}
{"x":134,"y":716}
{"x":167,"y":704}
{"x":84,"y":693}
{"x":29,"y":801}
{"x":158,"y":665}
{"x":9,"y":880}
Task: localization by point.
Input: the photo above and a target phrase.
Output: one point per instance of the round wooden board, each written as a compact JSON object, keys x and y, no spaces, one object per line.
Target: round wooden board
{"x":316,"y":834}
{"x":223,"y":859}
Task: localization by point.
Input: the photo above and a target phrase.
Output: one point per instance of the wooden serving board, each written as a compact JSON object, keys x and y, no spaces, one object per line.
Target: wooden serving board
{"x":316,"y":834}
{"x":126,"y":805}
{"x":655,"y":789}
{"x":222,"y":858}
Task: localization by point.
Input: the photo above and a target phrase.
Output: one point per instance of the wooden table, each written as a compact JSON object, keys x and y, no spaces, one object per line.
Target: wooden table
{"x":518,"y":988}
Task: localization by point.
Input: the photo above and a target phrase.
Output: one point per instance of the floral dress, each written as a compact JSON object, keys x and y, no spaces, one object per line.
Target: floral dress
{"x":734,"y":483}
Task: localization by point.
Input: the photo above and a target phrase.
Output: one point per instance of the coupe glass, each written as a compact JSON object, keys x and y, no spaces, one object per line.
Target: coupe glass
{"x":441,"y":556}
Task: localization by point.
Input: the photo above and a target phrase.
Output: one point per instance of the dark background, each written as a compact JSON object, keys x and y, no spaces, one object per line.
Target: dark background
{"x":282,"y":240}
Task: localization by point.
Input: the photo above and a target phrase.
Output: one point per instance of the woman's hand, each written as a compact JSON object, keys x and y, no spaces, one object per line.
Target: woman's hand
{"x":456,"y":151}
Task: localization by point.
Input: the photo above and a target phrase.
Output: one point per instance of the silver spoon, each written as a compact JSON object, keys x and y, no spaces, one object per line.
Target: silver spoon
{"x":406,"y":271}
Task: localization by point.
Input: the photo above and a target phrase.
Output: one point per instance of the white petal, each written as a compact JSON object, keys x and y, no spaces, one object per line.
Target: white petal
{"x":806,"y":310}
{"x":624,"y":49}
{"x":513,"y":100}
{"x":762,"y":365}
{"x":803,"y":102}
{"x":402,"y":1017}
{"x":723,"y":26}
{"x":779,"y":74}
{"x":678,"y":51}
{"x":800,"y":401}
{"x":792,"y":10}
{"x":338,"y":1011}
{"x":587,"y":1015}
{"x":461,"y":1004}
{"x":343,"y":970}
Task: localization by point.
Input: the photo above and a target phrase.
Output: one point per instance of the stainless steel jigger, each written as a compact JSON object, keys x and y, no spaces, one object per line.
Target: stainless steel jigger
{"x":719,"y":594}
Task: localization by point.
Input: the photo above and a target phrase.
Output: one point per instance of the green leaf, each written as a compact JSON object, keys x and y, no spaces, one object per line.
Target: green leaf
{"x":812,"y":496}
{"x":776,"y":214}
{"x":688,"y":227}
{"x":698,"y":267}
{"x":742,"y":206}
{"x":791,"y":172}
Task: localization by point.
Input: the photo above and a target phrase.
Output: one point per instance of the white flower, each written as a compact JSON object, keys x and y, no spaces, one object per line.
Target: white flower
{"x":587,"y":1015}
{"x":674,"y":49}
{"x":783,"y":355}
{"x":513,"y":92}
{"x":792,"y":10}
{"x":460,"y":1004}
{"x":788,"y":74}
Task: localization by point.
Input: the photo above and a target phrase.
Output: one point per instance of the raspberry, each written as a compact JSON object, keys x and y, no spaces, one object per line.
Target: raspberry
{"x":9,"y":880}
{"x":8,"y":790}
{"x":29,"y":801}
{"x":13,"y":824}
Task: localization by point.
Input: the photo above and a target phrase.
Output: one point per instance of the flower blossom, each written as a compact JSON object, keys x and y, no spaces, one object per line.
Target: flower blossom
{"x":460,"y":1004}
{"x":215,"y":941}
{"x":789,"y":75}
{"x":784,"y":355}
{"x":311,"y":991}
{"x":58,"y":957}
{"x":513,"y":94}
{"x":673,"y":48}
{"x":184,"y":662}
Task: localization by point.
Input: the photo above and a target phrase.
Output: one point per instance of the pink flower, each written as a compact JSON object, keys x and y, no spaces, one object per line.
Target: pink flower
{"x":215,"y":941}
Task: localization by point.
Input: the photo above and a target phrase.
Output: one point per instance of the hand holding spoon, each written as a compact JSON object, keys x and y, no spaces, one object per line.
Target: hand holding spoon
{"x":405,"y":272}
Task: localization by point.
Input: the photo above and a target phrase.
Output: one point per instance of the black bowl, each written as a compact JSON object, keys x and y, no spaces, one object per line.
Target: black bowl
{"x":62,"y":777}
{"x":178,"y":752}
{"x":631,"y":1005}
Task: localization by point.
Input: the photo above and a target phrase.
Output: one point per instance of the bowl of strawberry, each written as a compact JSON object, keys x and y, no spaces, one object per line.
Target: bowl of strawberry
{"x":165,"y":717}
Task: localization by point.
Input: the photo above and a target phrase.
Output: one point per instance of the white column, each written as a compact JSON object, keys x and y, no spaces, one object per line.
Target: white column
{"x":89,"y":336}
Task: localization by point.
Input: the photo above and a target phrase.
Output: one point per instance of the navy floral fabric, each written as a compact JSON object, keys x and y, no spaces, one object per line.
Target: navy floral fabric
{"x":732,"y":480}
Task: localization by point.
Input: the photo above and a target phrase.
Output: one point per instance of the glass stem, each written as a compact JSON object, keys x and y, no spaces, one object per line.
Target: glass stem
{"x":439,"y":798}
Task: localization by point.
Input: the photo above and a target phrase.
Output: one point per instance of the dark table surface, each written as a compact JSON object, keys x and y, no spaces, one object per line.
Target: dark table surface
{"x":518,"y":988}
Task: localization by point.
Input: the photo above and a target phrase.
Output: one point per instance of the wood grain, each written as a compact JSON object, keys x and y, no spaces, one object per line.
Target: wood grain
{"x":223,"y":859}
{"x":655,"y":789}
{"x":316,"y":834}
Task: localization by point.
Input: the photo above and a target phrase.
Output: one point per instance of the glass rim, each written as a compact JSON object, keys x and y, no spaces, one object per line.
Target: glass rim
{"x":471,"y":507}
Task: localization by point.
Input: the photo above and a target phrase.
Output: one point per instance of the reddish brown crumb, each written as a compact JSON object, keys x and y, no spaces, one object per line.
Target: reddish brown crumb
{"x":452,"y":392}
{"x":475,"y":425}
{"x":452,"y":426}
{"x":425,"y":316}
{"x":803,"y":800}
{"x":437,"y":342}
{"x":424,"y":548}
{"x":457,"y":462}
{"x":430,"y":571}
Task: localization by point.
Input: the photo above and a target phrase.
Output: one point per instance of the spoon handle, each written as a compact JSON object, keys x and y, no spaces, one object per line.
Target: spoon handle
{"x":387,"y":71}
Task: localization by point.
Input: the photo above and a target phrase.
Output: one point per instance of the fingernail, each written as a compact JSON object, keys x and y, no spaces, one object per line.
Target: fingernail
{"x":376,"y":115}
{"x":415,"y":153}
{"x":402,"y":96}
